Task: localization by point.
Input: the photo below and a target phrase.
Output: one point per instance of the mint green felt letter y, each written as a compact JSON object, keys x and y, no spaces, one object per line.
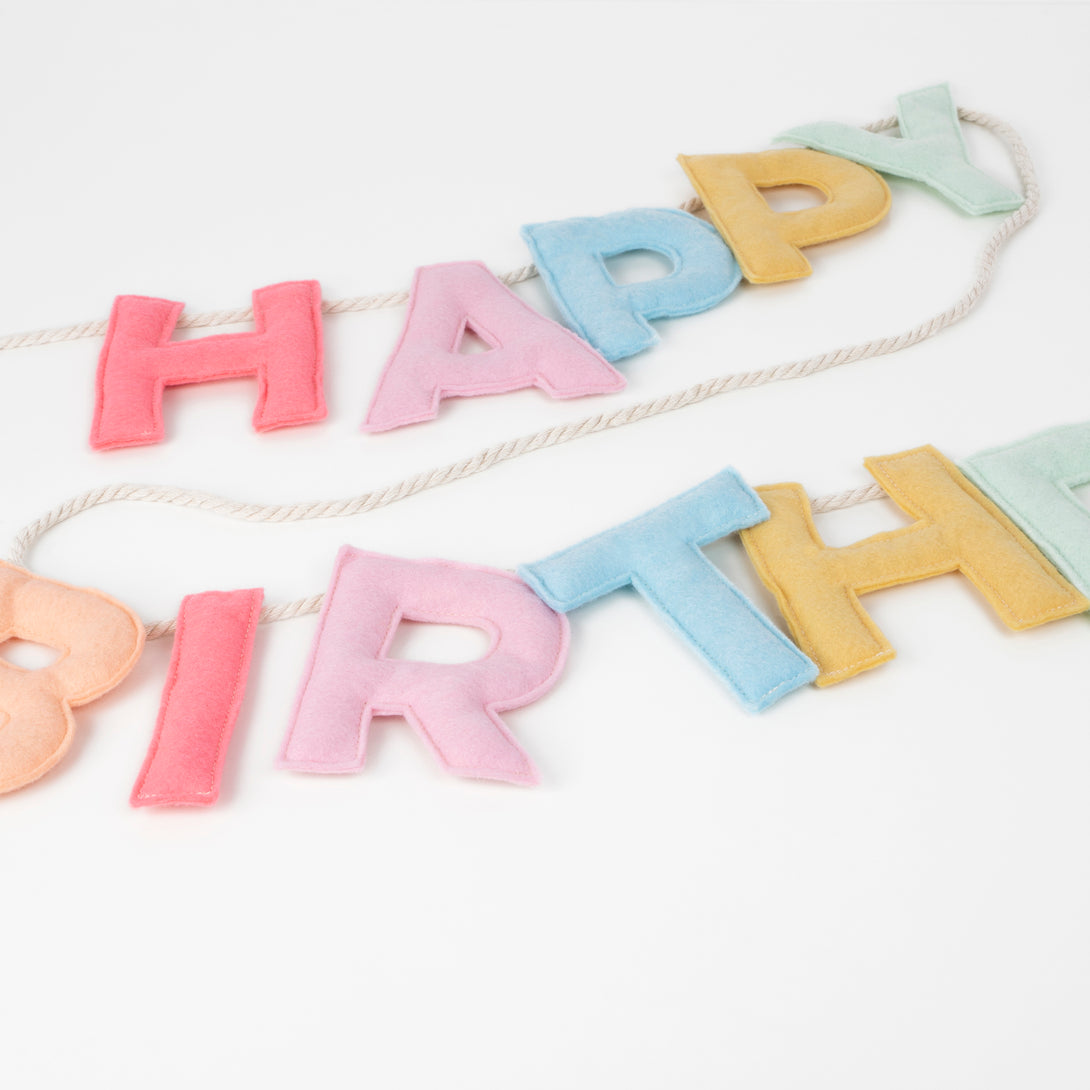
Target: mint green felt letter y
{"x":931,"y":150}
{"x":1032,"y":481}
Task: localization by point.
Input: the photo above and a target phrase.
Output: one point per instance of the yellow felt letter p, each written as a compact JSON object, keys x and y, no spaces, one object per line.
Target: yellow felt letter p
{"x":99,"y":642}
{"x":957,"y":528}
{"x":767,"y":244}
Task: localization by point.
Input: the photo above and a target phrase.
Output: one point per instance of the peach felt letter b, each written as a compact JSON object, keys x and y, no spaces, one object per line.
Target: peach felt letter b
{"x":99,"y":641}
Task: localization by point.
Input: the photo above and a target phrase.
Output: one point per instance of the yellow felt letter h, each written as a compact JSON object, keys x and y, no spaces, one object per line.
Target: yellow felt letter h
{"x":957,"y":528}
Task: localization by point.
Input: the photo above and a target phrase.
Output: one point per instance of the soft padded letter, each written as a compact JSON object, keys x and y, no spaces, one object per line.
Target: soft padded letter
{"x":1032,"y":481}
{"x":571,"y":257}
{"x":455,"y":708}
{"x":526,"y":349}
{"x":99,"y":641}
{"x":659,"y":554}
{"x":931,"y":150}
{"x":139,"y":359}
{"x":767,"y":244}
{"x":205,"y":685}
{"x":957,"y":529}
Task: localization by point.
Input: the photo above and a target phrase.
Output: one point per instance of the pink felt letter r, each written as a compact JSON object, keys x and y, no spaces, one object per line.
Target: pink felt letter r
{"x":455,"y":708}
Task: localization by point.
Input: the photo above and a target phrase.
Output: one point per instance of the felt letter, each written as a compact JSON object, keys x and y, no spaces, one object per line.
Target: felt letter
{"x":570,"y":255}
{"x":931,"y":150}
{"x":526,"y":349}
{"x":767,"y":244}
{"x":455,"y":708}
{"x":1032,"y":481}
{"x":204,"y":689}
{"x":659,"y":555}
{"x":139,"y":359}
{"x":957,"y":529}
{"x":99,"y":640}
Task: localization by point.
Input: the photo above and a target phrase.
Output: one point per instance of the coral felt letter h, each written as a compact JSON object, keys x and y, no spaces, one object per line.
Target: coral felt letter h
{"x":139,"y":359}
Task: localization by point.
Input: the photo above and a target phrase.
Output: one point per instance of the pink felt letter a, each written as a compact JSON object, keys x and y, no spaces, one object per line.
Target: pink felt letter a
{"x":139,"y":359}
{"x":455,"y":708}
{"x":526,"y":349}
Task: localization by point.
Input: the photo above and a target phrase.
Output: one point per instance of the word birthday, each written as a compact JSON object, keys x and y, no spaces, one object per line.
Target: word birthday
{"x":1007,"y":519}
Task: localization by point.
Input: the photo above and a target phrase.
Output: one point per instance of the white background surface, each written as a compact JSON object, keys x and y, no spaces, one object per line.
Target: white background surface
{"x":881,"y":885}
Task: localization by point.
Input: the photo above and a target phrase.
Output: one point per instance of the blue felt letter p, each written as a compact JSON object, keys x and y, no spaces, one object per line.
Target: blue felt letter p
{"x":571,"y":257}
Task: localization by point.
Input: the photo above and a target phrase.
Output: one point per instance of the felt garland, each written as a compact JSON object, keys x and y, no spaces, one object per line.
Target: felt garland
{"x":987,"y":521}
{"x":998,"y":538}
{"x":548,"y":437}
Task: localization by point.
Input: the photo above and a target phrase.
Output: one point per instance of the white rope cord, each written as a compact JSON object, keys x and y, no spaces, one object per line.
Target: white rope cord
{"x":233,"y":317}
{"x":550,"y":437}
{"x":837,"y":501}
{"x":203,"y":501}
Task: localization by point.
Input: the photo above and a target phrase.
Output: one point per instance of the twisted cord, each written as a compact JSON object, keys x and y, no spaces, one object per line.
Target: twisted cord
{"x":837,"y":501}
{"x":203,"y":501}
{"x":550,"y":437}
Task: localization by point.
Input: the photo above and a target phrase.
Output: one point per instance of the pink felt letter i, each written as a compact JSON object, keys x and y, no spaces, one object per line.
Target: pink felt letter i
{"x":201,"y":699}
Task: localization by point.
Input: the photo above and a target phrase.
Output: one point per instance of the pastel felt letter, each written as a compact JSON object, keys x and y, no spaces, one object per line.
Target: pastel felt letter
{"x":571,"y":257}
{"x":455,"y":708}
{"x":526,"y":349}
{"x":931,"y":150}
{"x":99,"y":641}
{"x":1032,"y":481}
{"x":957,"y":528}
{"x":767,"y":244}
{"x":139,"y":359}
{"x":659,"y":555}
{"x":204,"y":689}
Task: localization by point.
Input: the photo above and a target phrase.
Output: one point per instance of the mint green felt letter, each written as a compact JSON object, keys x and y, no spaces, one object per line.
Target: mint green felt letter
{"x":931,"y":150}
{"x":1032,"y":481}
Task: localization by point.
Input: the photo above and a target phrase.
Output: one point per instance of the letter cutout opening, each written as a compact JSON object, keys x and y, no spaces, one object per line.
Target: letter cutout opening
{"x":209,"y":665}
{"x":139,"y":360}
{"x":526,"y":349}
{"x":99,"y":640}
{"x":455,"y":708}
{"x":571,"y":257}
{"x":768,"y":244}
{"x":659,"y":555}
{"x":931,"y":150}
{"x":957,"y":529}
{"x":1032,"y":481}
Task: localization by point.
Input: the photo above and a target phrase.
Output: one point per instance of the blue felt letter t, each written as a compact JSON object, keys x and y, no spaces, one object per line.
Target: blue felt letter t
{"x":659,"y":555}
